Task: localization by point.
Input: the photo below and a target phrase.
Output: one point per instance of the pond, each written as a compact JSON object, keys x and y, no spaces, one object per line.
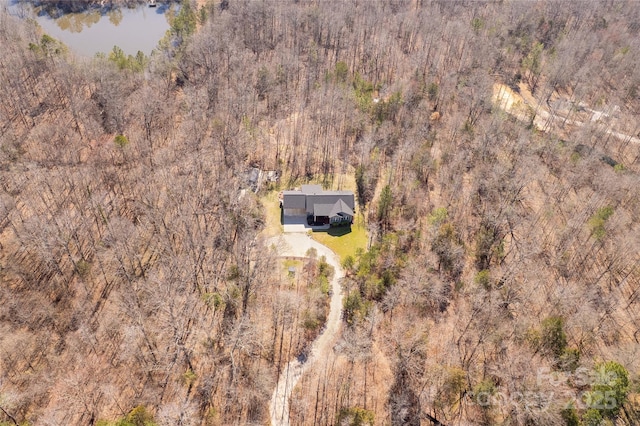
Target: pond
{"x":99,"y":30}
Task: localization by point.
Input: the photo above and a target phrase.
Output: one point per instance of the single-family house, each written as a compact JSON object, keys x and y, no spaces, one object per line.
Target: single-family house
{"x":318,"y":206}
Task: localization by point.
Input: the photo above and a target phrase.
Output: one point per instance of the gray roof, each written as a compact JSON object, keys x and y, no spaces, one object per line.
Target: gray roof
{"x":322,"y":209}
{"x":341,"y":207}
{"x":331,"y":210}
{"x":330,"y":198}
{"x":293,"y":200}
{"x":254,"y":174}
{"x":318,"y":202}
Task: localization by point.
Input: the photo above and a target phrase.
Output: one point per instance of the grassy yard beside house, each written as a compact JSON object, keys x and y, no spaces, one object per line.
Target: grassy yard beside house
{"x":343,"y":242}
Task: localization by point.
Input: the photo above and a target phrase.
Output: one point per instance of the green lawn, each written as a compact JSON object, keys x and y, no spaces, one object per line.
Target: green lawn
{"x":344,"y":241}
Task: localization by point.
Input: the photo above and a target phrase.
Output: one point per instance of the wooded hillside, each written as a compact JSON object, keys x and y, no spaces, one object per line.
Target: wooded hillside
{"x":501,"y":284}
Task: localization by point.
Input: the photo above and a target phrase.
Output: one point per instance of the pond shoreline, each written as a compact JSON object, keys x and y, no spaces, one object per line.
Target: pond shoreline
{"x":91,"y":27}
{"x":58,"y":8}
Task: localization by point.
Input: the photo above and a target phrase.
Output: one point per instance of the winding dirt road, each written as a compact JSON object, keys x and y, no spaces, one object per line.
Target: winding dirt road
{"x":297,"y":244}
{"x":516,"y":104}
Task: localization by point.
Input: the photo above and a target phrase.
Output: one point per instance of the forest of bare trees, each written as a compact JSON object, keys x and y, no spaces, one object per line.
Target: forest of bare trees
{"x":501,"y":283}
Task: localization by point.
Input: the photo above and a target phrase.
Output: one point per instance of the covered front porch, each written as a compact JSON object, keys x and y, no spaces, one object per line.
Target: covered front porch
{"x":337,"y":214}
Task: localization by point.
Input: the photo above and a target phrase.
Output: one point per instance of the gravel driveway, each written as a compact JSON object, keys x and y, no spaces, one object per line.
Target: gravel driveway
{"x":297,"y":244}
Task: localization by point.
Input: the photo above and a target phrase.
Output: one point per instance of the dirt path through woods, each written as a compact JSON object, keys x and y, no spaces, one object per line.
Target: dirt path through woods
{"x":297,"y":244}
{"x":523,"y":105}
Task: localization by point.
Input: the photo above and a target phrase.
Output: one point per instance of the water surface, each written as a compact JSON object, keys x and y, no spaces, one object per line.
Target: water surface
{"x":95,"y":31}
